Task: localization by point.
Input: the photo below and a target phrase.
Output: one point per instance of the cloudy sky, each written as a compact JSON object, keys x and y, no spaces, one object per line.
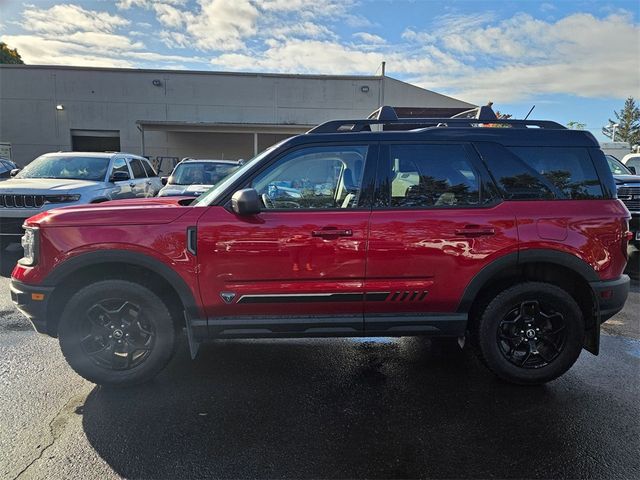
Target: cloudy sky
{"x":575,"y":60}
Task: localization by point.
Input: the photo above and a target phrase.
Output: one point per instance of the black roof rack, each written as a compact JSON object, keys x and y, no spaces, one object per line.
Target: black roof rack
{"x":386,"y":115}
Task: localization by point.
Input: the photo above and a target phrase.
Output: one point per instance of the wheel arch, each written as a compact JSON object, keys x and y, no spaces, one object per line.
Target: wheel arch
{"x":559,"y":268}
{"x":77,"y":271}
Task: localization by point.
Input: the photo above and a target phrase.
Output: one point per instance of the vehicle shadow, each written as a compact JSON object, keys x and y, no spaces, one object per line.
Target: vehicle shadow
{"x":337,"y":408}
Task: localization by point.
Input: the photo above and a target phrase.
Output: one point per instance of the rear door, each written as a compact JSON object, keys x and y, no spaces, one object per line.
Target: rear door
{"x":153,"y":183}
{"x":436,"y":223}
{"x":139,"y":180}
{"x":298,"y":266}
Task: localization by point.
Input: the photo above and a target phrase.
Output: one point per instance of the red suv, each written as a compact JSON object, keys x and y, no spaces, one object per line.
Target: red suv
{"x":510,"y":237}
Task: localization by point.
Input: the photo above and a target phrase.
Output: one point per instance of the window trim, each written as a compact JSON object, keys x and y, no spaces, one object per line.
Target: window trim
{"x":369,"y":176}
{"x":382,"y":196}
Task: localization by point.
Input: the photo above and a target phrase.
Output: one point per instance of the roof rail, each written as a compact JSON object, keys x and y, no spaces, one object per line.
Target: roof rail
{"x":386,"y":115}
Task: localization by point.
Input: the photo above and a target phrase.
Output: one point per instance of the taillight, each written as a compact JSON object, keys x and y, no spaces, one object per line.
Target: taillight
{"x":627,"y":236}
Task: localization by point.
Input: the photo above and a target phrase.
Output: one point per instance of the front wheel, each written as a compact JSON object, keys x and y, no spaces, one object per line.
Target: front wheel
{"x":530,"y":333}
{"x":116,"y":332}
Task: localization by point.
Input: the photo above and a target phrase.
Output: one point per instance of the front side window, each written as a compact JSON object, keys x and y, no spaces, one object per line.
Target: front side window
{"x":136,"y":168}
{"x":432,"y":176}
{"x":313,"y":178}
{"x":67,"y":167}
{"x":119,"y":165}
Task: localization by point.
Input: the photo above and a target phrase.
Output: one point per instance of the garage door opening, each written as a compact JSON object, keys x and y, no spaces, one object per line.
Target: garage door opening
{"x":95,"y":140}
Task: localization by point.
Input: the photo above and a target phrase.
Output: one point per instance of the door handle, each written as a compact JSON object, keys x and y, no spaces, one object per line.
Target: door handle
{"x":475,"y":231}
{"x":331,"y":232}
{"x":148,"y":182}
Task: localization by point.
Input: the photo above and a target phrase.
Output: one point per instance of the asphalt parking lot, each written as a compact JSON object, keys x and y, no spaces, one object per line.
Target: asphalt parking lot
{"x":319,"y":408}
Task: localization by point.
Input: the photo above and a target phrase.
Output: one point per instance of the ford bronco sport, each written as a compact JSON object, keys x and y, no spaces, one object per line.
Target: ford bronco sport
{"x":512,"y":238}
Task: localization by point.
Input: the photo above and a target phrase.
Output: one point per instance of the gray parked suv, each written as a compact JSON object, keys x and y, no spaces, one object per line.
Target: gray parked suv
{"x":59,"y":179}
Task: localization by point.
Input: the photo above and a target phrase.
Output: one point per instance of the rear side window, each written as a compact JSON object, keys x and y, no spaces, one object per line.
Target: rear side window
{"x":148,"y":169}
{"x":136,"y":168}
{"x":515,"y":179}
{"x":570,"y":170}
{"x":432,"y":176}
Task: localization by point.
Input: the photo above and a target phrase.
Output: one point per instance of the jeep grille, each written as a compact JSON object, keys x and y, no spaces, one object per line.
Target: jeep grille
{"x":21,"y":201}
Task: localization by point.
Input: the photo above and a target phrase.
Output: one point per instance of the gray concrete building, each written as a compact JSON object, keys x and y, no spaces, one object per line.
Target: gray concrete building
{"x":168,"y":114}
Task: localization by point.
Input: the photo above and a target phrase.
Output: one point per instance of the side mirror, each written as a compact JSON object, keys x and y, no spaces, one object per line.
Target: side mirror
{"x":246,"y":202}
{"x":119,"y":176}
{"x":164,"y":180}
{"x":633,"y":170}
{"x":15,"y":171}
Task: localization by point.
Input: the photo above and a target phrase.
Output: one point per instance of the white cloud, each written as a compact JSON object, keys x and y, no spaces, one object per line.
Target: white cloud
{"x":66,"y":18}
{"x":523,"y":57}
{"x":370,"y":38}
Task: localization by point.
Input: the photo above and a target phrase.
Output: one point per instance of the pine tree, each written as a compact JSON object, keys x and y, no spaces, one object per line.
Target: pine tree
{"x":628,"y":120}
{"x":8,"y":55}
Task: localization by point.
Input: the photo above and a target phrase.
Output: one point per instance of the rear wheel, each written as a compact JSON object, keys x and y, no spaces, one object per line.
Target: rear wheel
{"x":530,"y":333}
{"x":116,"y":332}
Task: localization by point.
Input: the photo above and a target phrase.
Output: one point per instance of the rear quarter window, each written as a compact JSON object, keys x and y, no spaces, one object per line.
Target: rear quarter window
{"x":569,"y":169}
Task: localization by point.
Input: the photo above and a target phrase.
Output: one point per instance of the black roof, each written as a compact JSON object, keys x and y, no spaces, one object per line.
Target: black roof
{"x":477,"y":125}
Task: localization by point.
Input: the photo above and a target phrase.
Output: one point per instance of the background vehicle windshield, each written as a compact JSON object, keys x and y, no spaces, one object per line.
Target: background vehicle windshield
{"x":200,"y":173}
{"x":210,"y":195}
{"x":72,"y":168}
{"x":617,"y":167}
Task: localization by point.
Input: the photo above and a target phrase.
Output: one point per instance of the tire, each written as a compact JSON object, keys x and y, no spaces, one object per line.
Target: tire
{"x":526,"y":347}
{"x":107,"y":319}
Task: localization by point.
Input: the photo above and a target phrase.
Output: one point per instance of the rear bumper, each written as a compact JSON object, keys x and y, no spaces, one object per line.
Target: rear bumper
{"x":611,"y":296}
{"x":32,"y":302}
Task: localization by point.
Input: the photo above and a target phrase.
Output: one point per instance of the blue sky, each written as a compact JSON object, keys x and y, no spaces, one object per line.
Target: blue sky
{"x":575,"y":60}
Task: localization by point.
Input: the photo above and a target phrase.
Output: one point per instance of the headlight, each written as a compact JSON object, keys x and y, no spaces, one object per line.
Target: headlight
{"x":30,"y":244}
{"x":61,"y":198}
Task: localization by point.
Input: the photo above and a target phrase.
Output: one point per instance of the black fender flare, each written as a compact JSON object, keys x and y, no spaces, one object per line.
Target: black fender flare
{"x":519,"y":258}
{"x":124,"y":256}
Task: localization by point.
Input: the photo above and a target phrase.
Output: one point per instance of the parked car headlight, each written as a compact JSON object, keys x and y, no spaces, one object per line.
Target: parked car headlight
{"x":31,"y":245}
{"x":61,"y":198}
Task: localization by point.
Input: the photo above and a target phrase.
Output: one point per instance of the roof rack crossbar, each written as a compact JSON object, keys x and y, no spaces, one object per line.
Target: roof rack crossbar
{"x":339,"y":126}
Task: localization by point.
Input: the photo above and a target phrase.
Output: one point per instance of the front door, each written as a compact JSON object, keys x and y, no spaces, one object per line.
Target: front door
{"x":123,"y":188}
{"x":298,"y":266}
{"x":436,"y":224}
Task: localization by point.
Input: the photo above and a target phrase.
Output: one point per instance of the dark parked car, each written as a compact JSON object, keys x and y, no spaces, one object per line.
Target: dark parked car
{"x":512,"y":238}
{"x":6,"y":167}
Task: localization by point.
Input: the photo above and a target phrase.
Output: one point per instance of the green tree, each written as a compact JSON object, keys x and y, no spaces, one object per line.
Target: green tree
{"x":8,"y":55}
{"x":576,"y":125}
{"x":628,"y":120}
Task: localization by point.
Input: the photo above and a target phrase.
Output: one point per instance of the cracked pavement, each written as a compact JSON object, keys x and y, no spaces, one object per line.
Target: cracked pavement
{"x":330,"y":408}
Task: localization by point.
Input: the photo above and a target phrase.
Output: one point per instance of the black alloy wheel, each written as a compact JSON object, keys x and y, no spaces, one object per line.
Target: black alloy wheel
{"x":531,"y":336}
{"x":117,"y":335}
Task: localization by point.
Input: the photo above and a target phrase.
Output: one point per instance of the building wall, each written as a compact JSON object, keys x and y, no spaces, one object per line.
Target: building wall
{"x":115,"y":99}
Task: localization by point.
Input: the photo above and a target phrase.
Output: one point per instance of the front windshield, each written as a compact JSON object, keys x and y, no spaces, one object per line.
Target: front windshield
{"x":200,"y":173}
{"x":209,"y":197}
{"x":617,"y":167}
{"x":66,"y":167}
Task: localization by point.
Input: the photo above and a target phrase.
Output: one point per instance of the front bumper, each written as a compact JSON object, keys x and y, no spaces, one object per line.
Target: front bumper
{"x":32,"y":302}
{"x":611,"y":296}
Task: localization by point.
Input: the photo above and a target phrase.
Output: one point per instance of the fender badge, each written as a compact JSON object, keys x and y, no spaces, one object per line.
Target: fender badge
{"x":227,"y":296}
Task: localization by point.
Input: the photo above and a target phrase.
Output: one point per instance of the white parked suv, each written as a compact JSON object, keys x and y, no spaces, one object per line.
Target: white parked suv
{"x":192,"y":177}
{"x":60,"y":179}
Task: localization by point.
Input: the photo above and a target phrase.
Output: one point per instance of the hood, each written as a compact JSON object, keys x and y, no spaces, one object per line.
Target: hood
{"x":45,"y":186}
{"x":627,"y":178}
{"x":143,"y":211}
